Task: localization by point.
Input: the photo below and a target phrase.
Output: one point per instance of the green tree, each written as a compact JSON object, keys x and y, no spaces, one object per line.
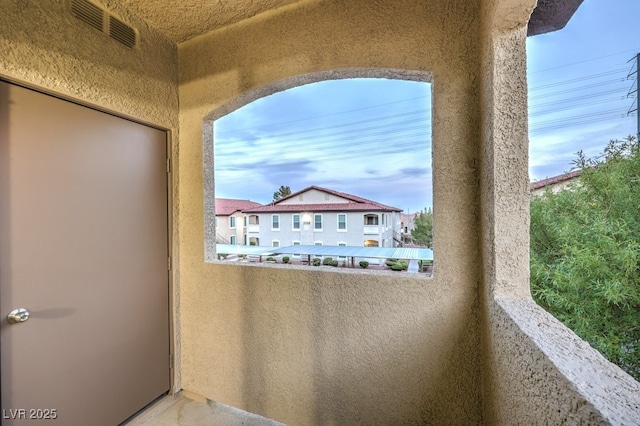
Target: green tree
{"x":585,"y":253}
{"x":423,"y":232}
{"x":282,"y":192}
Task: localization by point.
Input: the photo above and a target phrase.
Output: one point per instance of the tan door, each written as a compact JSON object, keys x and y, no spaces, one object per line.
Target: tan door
{"x":83,"y":247}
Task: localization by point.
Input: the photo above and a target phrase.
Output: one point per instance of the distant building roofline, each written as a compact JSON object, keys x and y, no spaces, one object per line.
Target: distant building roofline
{"x":554,"y":180}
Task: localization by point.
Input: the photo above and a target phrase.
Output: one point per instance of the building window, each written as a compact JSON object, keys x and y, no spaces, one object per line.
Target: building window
{"x":245,"y":221}
{"x":232,"y":221}
{"x":296,"y":243}
{"x":342,"y":222}
{"x":254,"y":219}
{"x":342,"y":245}
{"x":275,"y":222}
{"x":296,"y":221}
{"x":232,"y":240}
{"x":317,"y":222}
{"x":370,"y":219}
{"x":275,"y":243}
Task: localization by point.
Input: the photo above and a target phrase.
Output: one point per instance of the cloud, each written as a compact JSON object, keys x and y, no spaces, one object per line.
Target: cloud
{"x":415,"y":172}
{"x":373,"y":172}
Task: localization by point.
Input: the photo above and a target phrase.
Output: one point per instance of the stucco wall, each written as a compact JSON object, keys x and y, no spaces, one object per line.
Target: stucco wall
{"x":307,"y":347}
{"x":313,"y":346}
{"x":542,"y":373}
{"x":43,"y":46}
{"x":535,"y":370}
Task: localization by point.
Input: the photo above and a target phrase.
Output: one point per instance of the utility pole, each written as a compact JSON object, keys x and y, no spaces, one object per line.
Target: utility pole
{"x":637,"y":92}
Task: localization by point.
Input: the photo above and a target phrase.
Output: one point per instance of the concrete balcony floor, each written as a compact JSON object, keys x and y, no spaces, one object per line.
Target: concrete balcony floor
{"x":178,"y":410}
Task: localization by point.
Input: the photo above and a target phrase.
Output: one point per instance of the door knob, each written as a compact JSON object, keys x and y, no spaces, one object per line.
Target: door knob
{"x":18,"y":315}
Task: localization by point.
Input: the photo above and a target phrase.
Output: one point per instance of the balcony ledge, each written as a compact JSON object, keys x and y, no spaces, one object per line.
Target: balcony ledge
{"x":580,"y":383}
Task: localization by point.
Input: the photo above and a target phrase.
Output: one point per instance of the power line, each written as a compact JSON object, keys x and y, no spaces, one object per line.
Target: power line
{"x":579,"y":98}
{"x":585,"y":61}
{"x":220,"y":133}
{"x":538,"y":113}
{"x":350,"y":139}
{"x":336,"y":144}
{"x":579,"y":88}
{"x":326,"y":115}
{"x":299,"y":133}
{"x":348,"y":153}
{"x":577,"y":79}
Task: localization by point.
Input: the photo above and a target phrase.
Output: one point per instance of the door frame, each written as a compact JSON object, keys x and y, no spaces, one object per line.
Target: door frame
{"x":174,"y":347}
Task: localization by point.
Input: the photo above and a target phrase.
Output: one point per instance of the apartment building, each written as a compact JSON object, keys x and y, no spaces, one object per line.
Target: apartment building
{"x":322,"y":216}
{"x":231,"y":226}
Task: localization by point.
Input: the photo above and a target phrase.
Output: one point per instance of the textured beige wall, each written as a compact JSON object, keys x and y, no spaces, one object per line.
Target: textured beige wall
{"x":305,"y":346}
{"x":312,"y":346}
{"x":535,"y":370}
{"x":43,"y":46}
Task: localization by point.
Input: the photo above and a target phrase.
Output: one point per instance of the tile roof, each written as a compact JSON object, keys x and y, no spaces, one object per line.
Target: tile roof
{"x":354,"y":203}
{"x":228,"y":206}
{"x":553,"y":180}
{"x":328,"y":207}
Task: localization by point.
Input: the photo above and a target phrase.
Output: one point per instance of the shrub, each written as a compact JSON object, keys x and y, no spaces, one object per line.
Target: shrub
{"x":223,"y":255}
{"x":327,"y":261}
{"x":316,"y":262}
{"x":242,"y":256}
{"x":400,"y":266}
{"x":397,"y":265}
{"x":285,"y":259}
{"x":334,"y":263}
{"x":271,"y":259}
{"x":364,"y":264}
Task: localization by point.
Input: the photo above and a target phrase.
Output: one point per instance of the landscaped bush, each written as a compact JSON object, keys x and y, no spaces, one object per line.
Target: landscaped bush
{"x":316,"y":262}
{"x":271,"y":259}
{"x":223,"y":255}
{"x":327,"y":261}
{"x":364,"y":264}
{"x":400,"y":266}
{"x":285,"y":259}
{"x":333,"y":263}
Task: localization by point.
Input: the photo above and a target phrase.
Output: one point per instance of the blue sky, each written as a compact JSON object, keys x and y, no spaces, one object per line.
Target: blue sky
{"x":372,"y":137}
{"x":578,"y":84}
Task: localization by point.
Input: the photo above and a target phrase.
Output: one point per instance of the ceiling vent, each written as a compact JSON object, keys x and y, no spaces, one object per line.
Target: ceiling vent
{"x":103,"y":21}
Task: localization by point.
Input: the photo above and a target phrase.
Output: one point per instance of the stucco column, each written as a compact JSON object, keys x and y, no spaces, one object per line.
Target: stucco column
{"x":504,"y":157}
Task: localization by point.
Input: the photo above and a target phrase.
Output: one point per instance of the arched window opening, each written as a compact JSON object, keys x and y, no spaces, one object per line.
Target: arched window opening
{"x":319,"y":156}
